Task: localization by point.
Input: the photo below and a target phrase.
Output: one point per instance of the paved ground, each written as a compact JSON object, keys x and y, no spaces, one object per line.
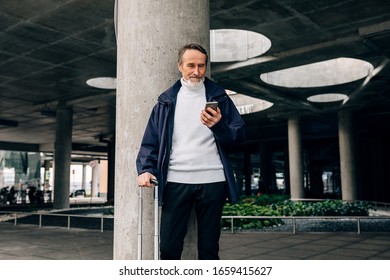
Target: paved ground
{"x":29,"y":242}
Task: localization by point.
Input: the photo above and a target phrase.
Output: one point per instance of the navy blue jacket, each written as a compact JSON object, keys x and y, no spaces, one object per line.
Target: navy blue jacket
{"x":153,"y":156}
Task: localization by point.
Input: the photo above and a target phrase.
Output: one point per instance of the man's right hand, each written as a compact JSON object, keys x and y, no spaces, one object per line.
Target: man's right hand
{"x":143,"y":180}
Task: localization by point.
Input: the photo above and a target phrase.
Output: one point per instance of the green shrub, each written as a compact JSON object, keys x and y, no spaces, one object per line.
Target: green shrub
{"x":249,"y":209}
{"x":280,"y":205}
{"x":265,"y":199}
{"x":322,"y":208}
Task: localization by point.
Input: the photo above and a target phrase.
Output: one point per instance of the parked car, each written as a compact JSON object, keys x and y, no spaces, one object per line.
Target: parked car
{"x":78,"y":193}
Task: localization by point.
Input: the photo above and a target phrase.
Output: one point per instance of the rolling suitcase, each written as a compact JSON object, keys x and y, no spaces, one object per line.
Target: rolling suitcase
{"x":156,"y":222}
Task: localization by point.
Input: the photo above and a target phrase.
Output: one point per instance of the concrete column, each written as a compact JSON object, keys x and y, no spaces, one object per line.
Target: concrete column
{"x":247,"y":172}
{"x":295,"y":158}
{"x":111,"y":172}
{"x":347,"y":156}
{"x":84,"y":177}
{"x":46,"y":165}
{"x":62,"y":157}
{"x":46,"y":176}
{"x":286,"y":171}
{"x":265,"y":166}
{"x":149,"y":35}
{"x":46,"y":182}
{"x":95,"y":179}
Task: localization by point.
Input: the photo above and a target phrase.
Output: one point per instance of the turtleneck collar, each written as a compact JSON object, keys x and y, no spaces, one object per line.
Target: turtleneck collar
{"x":191,"y":86}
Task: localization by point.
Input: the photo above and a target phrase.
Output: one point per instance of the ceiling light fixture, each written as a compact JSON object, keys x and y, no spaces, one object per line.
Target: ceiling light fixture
{"x":247,"y":104}
{"x":236,"y":45}
{"x":325,"y":73}
{"x":327,"y":97}
{"x":102,"y":82}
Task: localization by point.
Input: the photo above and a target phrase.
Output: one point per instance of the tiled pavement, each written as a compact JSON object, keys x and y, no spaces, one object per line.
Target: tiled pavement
{"x":28,"y":242}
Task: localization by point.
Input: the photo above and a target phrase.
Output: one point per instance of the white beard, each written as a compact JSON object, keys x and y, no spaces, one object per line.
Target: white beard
{"x":194,"y":84}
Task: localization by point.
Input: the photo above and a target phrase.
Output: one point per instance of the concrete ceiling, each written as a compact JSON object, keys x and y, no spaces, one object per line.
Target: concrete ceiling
{"x":50,"y":48}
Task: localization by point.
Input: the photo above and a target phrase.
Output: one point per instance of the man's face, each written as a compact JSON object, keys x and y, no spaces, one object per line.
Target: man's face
{"x":193,"y":66}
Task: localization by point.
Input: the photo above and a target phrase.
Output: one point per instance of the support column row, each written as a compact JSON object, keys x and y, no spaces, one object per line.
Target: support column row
{"x":346,"y":150}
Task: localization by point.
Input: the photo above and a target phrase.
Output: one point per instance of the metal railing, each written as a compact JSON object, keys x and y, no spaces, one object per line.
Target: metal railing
{"x":295,"y":218}
{"x":379,"y":205}
{"x":69,"y":217}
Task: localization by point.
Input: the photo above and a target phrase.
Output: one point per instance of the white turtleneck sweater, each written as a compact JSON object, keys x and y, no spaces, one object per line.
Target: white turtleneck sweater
{"x":194,"y":156}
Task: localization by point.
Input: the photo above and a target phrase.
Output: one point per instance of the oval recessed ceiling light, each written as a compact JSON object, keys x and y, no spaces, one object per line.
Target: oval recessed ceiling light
{"x":325,"y":73}
{"x":102,"y":82}
{"x":236,"y":45}
{"x":327,"y":97}
{"x":247,"y":104}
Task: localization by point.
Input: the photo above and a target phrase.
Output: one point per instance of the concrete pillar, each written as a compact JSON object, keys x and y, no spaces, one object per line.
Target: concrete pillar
{"x":149,"y":35}
{"x":248,"y":173}
{"x":286,"y":171}
{"x":46,"y":175}
{"x":95,"y":178}
{"x":84,"y":177}
{"x":295,"y":158}
{"x":46,"y":181}
{"x":265,"y":167}
{"x":347,"y":156}
{"x":111,"y":172}
{"x":62,"y":157}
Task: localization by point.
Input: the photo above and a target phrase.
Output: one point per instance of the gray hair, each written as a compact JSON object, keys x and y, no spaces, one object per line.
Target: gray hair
{"x":191,"y":47}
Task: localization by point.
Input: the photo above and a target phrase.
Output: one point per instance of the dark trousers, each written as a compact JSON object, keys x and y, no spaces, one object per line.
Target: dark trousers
{"x":179,"y":199}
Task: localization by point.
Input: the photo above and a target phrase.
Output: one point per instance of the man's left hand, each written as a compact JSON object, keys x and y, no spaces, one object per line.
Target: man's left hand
{"x":209,"y":117}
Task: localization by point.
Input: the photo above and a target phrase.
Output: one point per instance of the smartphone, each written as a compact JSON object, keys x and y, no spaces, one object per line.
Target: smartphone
{"x":212,"y":104}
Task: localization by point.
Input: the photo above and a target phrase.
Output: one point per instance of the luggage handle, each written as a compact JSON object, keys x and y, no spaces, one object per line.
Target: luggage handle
{"x":156,"y":221}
